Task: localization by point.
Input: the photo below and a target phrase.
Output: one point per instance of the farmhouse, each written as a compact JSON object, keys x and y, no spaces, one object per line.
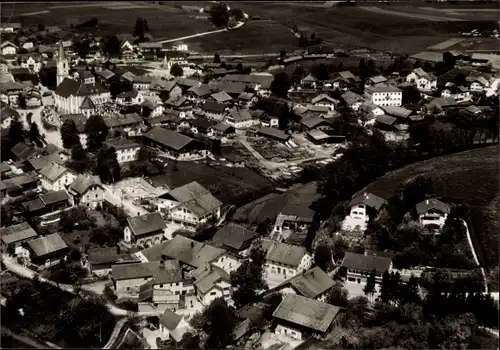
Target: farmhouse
{"x":234,"y":238}
{"x":297,"y":317}
{"x":145,"y":230}
{"x":214,"y":110}
{"x":384,"y":95}
{"x":173,"y":325}
{"x":126,"y":150}
{"x":424,"y":81}
{"x":174,"y":144}
{"x":352,"y":100}
{"x":221,"y":131}
{"x":8,"y":48}
{"x":47,"y":250}
{"x":432,"y":213}
{"x":478,"y":83}
{"x":240,"y":118}
{"x":14,"y":236}
{"x":284,"y":260}
{"x":309,"y":82}
{"x":458,"y":93}
{"x":221,"y":97}
{"x":130,"y":98}
{"x":55,"y":177}
{"x":87,"y":190}
{"x":131,"y":124}
{"x":211,"y":282}
{"x":362,"y":208}
{"x":100,"y":260}
{"x":312,"y":284}
{"x":190,"y":205}
{"x":376,"y":81}
{"x":273,"y":133}
{"x":360,"y":266}
{"x":55,"y":200}
{"x":325,"y":101}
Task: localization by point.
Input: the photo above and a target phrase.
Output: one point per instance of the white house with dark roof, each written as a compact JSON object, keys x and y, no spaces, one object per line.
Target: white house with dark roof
{"x":100,"y":260}
{"x":173,"y":326}
{"x":131,"y":124}
{"x":376,"y":81}
{"x":214,"y":110}
{"x":240,"y":118}
{"x":324,"y":100}
{"x":312,"y":284}
{"x":87,"y":190}
{"x":55,"y":177}
{"x":384,"y":95}
{"x":130,"y":98}
{"x":8,"y":48}
{"x":298,"y":317}
{"x":352,"y":100}
{"x":284,"y":261}
{"x":423,"y":80}
{"x":211,"y":282}
{"x":126,"y":150}
{"x":47,"y":250}
{"x":360,"y":266}
{"x":190,"y":205}
{"x":176,"y":145}
{"x":145,"y":230}
{"x":432,"y":213}
{"x":478,"y":83}
{"x":7,"y":115}
{"x":359,"y":214}
{"x":14,"y":236}
{"x":234,"y":238}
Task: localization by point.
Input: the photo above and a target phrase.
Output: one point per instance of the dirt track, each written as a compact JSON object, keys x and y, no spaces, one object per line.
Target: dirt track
{"x":409,"y":15}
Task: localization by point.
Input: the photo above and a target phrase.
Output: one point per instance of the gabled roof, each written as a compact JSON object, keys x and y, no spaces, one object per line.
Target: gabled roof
{"x":272,"y":132}
{"x":106,"y":74}
{"x":170,"y":320}
{"x":394,"y":111}
{"x":386,"y":119}
{"x":480,"y":80}
{"x":16,"y":233}
{"x":128,"y":94}
{"x":246,"y":96}
{"x":196,"y":198}
{"x":52,"y":197}
{"x":9,"y":112}
{"x":283,"y":253}
{"x":208,"y":278}
{"x":324,"y":97}
{"x":315,"y":121}
{"x":191,"y":252}
{"x":121,"y":143}
{"x":83,"y":182}
{"x":369,"y":200}
{"x":168,"y":138}
{"x":70,"y":87}
{"x":187,"y":82}
{"x":22,"y":150}
{"x":240,"y":114}
{"x":234,"y":236}
{"x":7,"y":43}
{"x":347,"y":75}
{"x":306,"y":312}
{"x":366,"y":263}
{"x":350,"y":97}
{"x":167,"y":272}
{"x":40,"y":162}
{"x":79,"y":119}
{"x":48,"y":244}
{"x":122,"y":120}
{"x":221,"y":96}
{"x":432,"y":203}
{"x":201,"y":90}
{"x":87,"y":104}
{"x":147,"y":223}
{"x":382,"y":88}
{"x":53,"y":171}
{"x":213,"y":107}
{"x":311,"y":283}
{"x":309,"y":78}
{"x":423,"y":74}
{"x":377,"y":79}
{"x":202,"y":123}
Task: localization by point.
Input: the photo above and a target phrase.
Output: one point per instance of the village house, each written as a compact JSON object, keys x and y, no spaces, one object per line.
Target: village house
{"x":458,"y":93}
{"x":432,"y":213}
{"x":190,"y":206}
{"x":55,"y":200}
{"x":47,"y":250}
{"x":105,"y":77}
{"x":130,"y":124}
{"x":16,"y":186}
{"x":265,"y":119}
{"x":214,"y":110}
{"x":180,"y":104}
{"x":362,"y":208}
{"x":240,"y":118}
{"x":130,"y":98}
{"x":22,"y":151}
{"x":128,"y":278}
{"x":325,"y":101}
{"x":384,"y":95}
{"x":55,"y":177}
{"x":298,"y":317}
{"x":145,"y":230}
{"x":173,"y":325}
{"x":15,"y":236}
{"x":100,"y":260}
{"x":211,"y":282}
{"x":312,"y":284}
{"x":221,"y":131}
{"x":477,"y":83}
{"x":423,"y":80}
{"x":221,"y":97}
{"x":32,"y":62}
{"x":8,"y":27}
{"x":247,"y":99}
{"x":142,"y":82}
{"x":198,"y":125}
{"x":378,"y":80}
{"x":126,"y":150}
{"x":260,"y":84}
{"x":176,"y":145}
{"x":309,"y":82}
{"x":284,"y":261}
{"x":198,"y":93}
{"x":33,"y":98}
{"x":161,"y":85}
{"x":352,"y":100}
{"x":7,"y":115}
{"x":154,"y":105}
{"x":87,"y":190}
{"x":71,"y":92}
{"x":8,"y":48}
{"x":234,"y":238}
{"x":274,"y":134}
{"x":359,"y":266}
{"x":10,"y":92}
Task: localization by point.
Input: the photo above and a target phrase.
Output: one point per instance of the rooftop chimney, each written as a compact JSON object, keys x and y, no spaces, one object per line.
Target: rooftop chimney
{"x":162,"y":264}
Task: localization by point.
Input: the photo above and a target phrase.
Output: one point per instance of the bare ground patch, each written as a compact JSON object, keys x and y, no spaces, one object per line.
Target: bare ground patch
{"x":409,"y":15}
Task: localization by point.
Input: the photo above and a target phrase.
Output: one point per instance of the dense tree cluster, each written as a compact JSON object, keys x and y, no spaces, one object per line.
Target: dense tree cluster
{"x":219,"y":15}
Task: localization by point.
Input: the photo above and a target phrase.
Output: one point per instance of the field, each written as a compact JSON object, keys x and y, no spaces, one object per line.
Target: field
{"x":259,"y":36}
{"x":268,"y":207}
{"x":471,"y":176}
{"x":398,"y":29}
{"x":223,"y":182}
{"x":165,"y":21}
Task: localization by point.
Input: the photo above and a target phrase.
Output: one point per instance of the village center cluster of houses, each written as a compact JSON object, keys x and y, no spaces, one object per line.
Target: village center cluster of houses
{"x":175,"y":274}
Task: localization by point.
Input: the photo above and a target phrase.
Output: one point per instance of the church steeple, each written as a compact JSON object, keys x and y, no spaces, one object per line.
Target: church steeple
{"x":62,"y":64}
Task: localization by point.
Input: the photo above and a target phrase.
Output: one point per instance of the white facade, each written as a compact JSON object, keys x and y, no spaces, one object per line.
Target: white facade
{"x":220,"y":289}
{"x":62,"y":70}
{"x":422,"y":83}
{"x":433,"y":217}
{"x":128,"y":154}
{"x":9,"y":50}
{"x":277,"y":270}
{"x":32,"y":65}
{"x":60,"y":183}
{"x":71,"y":105}
{"x":130,"y":287}
{"x":214,"y":115}
{"x":477,"y":86}
{"x":93,"y":196}
{"x":228,"y":263}
{"x":459,"y":96}
{"x":288,"y":331}
{"x":146,"y":240}
{"x":179,"y":214}
{"x":240,"y":124}
{"x":384,"y":98}
{"x":126,"y":101}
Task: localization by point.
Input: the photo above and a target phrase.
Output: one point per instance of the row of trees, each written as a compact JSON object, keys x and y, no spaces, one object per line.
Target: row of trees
{"x":16,"y":134}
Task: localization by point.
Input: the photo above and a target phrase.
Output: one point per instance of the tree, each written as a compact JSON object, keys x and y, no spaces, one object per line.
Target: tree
{"x":362,"y":67}
{"x":190,"y":341}
{"x":22,"y":101}
{"x":108,"y":167}
{"x":140,"y":28}
{"x":216,"y":58}
{"x":297,"y":75}
{"x":385,"y":288}
{"x":111,"y":46}
{"x":239,"y":67}
{"x":34,"y":133}
{"x":79,"y":160}
{"x":280,"y":85}
{"x":176,"y":70}
{"x":320,"y":71}
{"x":217,"y":321}
{"x":219,"y":15}
{"x":369,"y":288}
{"x":410,"y":291}
{"x":323,"y":257}
{"x":247,"y":279}
{"x":418,"y":189}
{"x":96,"y":130}
{"x":7,"y":214}
{"x":411,"y":94}
{"x":237,"y":14}
{"x":338,"y":296}
{"x":81,"y":47}
{"x":48,"y":77}
{"x":69,"y":134}
{"x":16,"y":132}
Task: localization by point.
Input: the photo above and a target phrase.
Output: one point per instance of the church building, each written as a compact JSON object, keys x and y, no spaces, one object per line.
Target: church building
{"x":78,"y":93}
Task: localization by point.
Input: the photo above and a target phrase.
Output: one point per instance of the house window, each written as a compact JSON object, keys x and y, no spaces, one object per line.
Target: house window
{"x":161,"y":285}
{"x":177,"y":292}
{"x":213,"y":293}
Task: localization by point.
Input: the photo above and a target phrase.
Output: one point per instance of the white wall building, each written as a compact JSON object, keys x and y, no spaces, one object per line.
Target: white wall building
{"x":384,"y":95}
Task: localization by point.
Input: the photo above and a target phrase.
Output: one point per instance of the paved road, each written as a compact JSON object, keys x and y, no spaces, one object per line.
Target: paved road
{"x":114,"y":335}
{"x":475,"y":256}
{"x":116,"y":199}
{"x":29,"y":342}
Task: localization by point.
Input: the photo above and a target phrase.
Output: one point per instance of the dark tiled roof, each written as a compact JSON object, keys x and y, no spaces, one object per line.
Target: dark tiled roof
{"x":123,"y":120}
{"x":48,"y":244}
{"x":83,"y":182}
{"x":202,"y":123}
{"x":272,"y":132}
{"x":283,"y":253}
{"x":53,"y":171}
{"x":432,"y":203}
{"x":52,"y":197}
{"x":87,"y":104}
{"x":22,"y":150}
{"x":213,"y":107}
{"x":366,"y":263}
{"x":144,"y":224}
{"x":370,"y":200}
{"x":234,"y":236}
{"x":70,"y":87}
{"x":121,"y":143}
{"x":196,"y":198}
{"x":170,"y":320}
{"x":8,"y":112}
{"x":79,"y":120}
{"x":386,"y":119}
{"x":311,"y":283}
{"x":191,"y":252}
{"x":168,"y":138}
{"x":17,"y":233}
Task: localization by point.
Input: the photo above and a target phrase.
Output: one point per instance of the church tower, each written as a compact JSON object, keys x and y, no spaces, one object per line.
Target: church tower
{"x":62,"y":64}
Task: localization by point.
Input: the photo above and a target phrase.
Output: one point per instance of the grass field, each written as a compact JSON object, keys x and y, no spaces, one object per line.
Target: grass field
{"x":223,"y":182}
{"x":472,"y":176}
{"x":252,"y":38}
{"x":165,"y":21}
{"x":268,"y":207}
{"x":398,"y":29}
